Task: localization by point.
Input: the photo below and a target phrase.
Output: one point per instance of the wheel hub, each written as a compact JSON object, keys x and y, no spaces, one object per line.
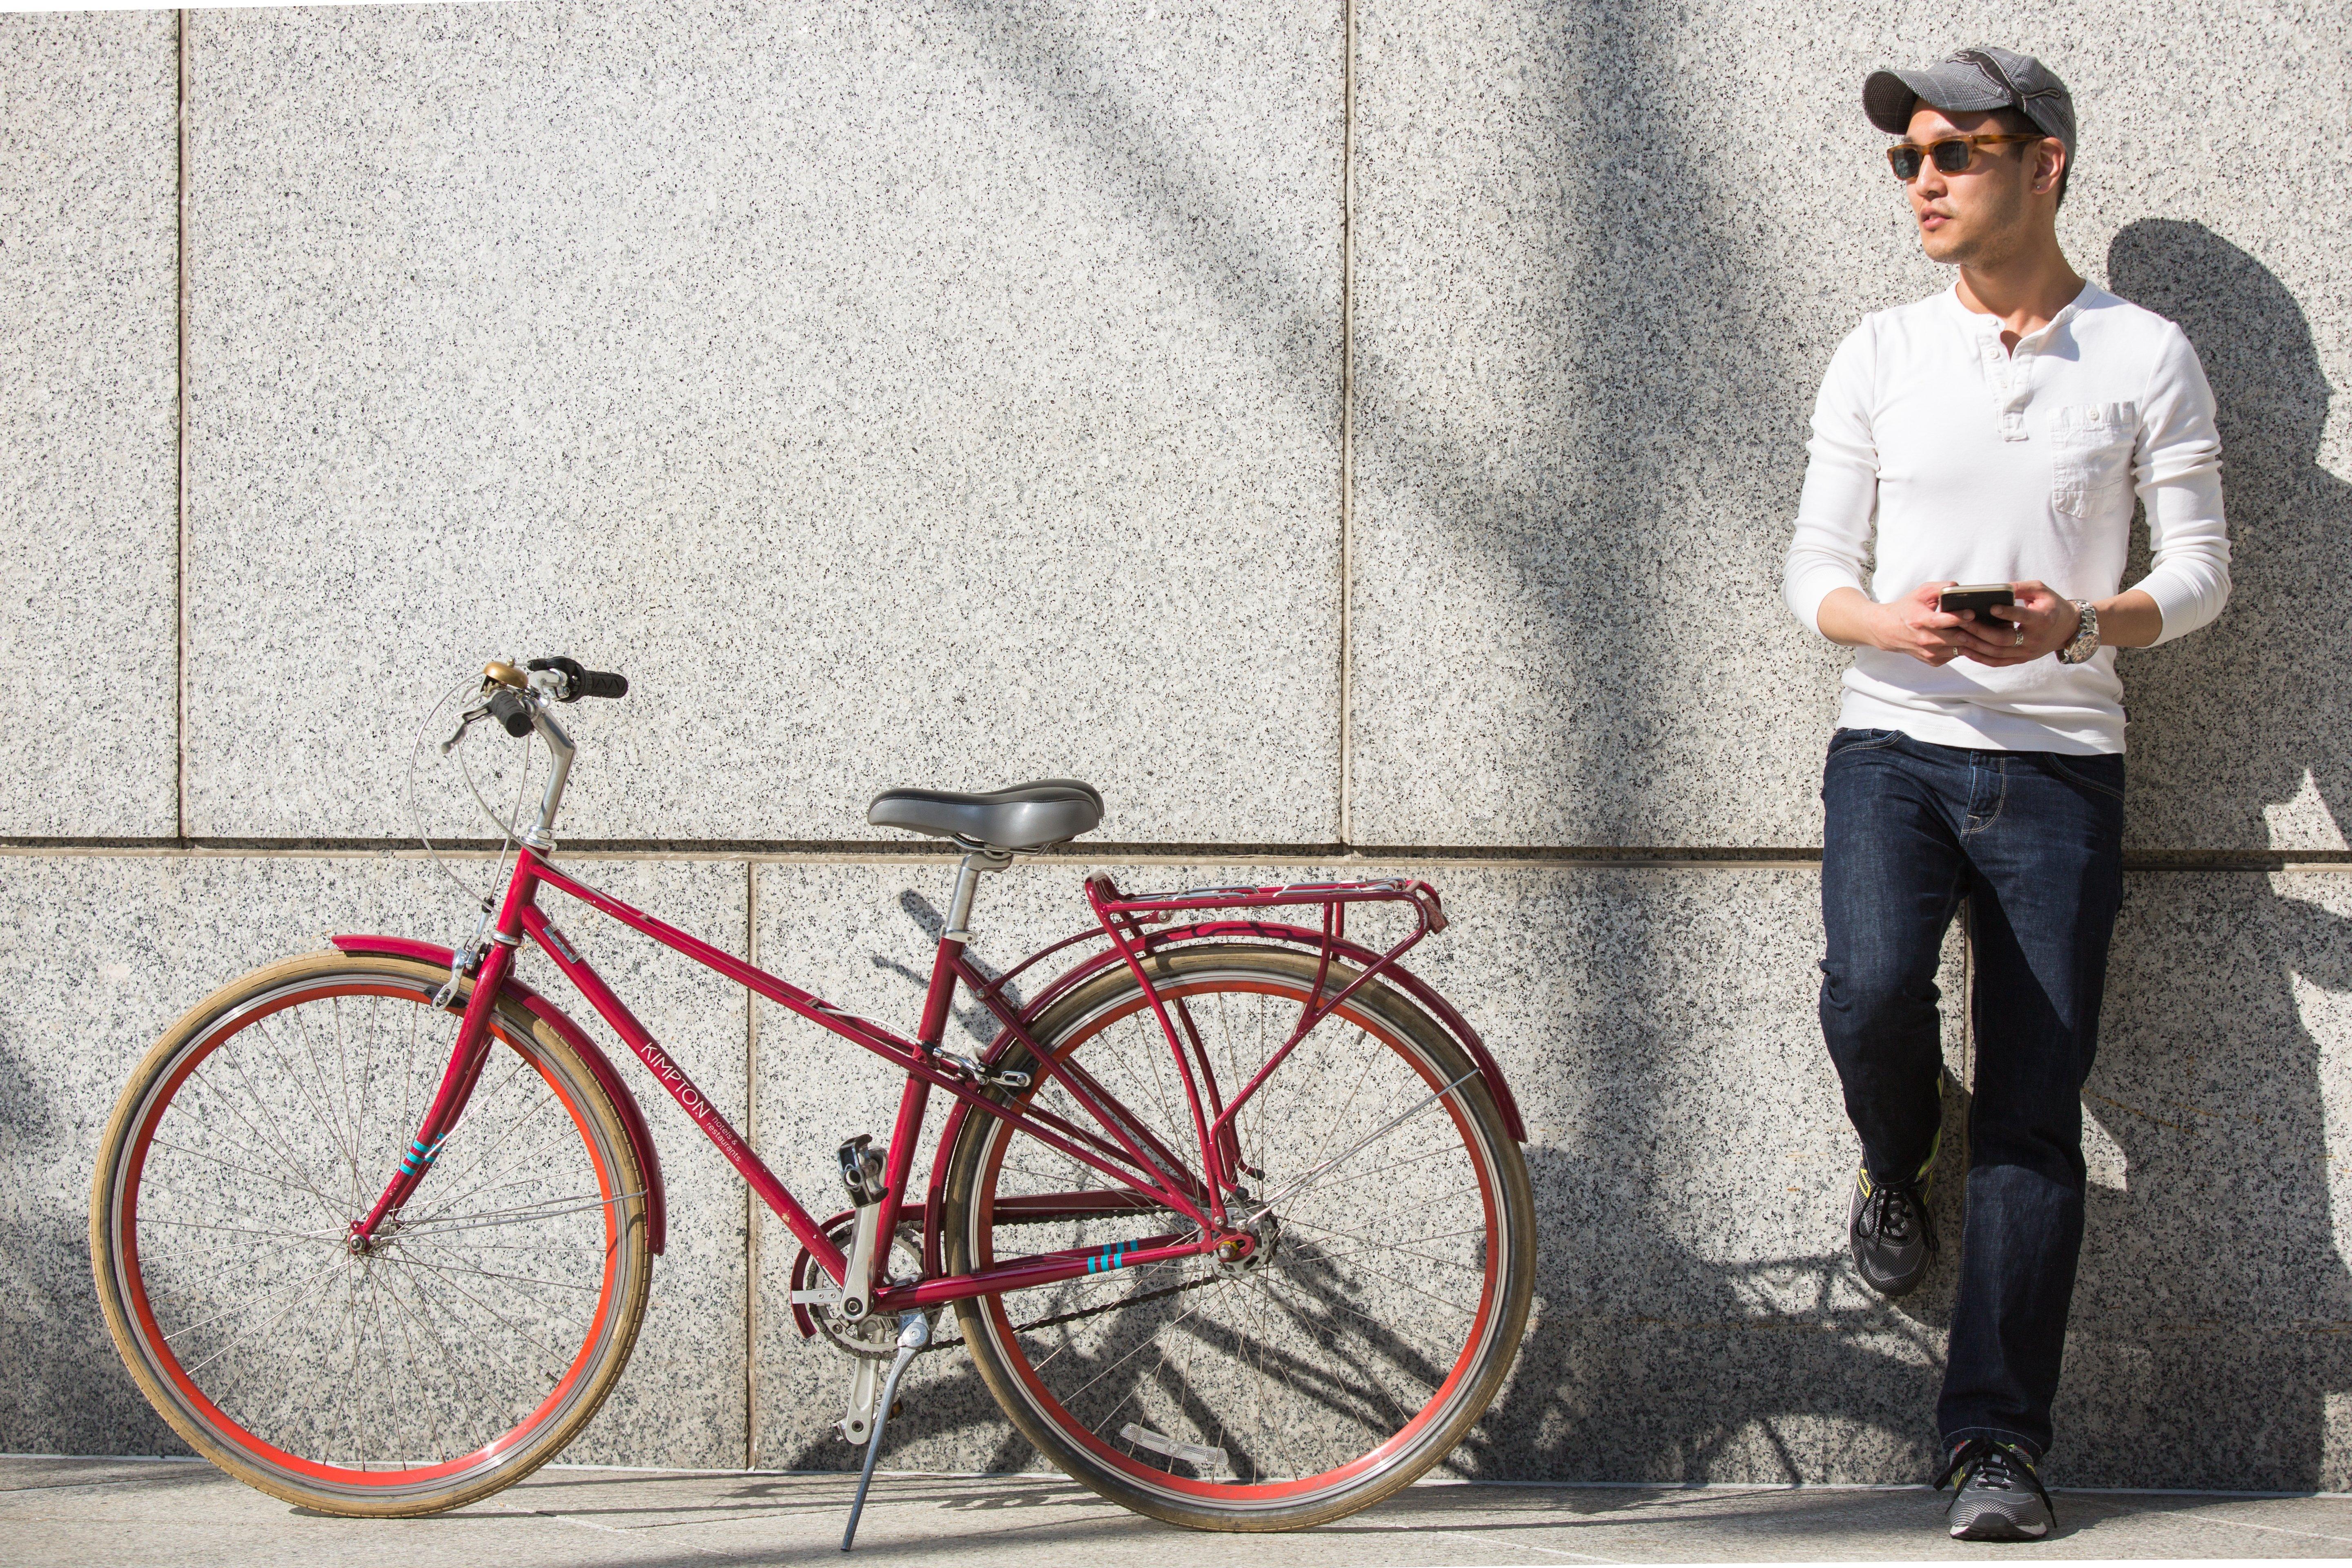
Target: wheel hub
{"x":1250,"y":1249}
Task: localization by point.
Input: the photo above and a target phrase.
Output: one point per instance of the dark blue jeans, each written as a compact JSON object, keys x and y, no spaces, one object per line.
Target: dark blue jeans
{"x":2032,"y":842}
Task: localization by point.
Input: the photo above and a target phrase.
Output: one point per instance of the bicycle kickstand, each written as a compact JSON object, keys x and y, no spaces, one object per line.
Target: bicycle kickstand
{"x":914,"y":1334}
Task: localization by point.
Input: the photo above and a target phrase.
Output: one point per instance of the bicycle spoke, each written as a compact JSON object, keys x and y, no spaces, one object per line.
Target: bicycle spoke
{"x":244,"y":1230}
{"x":349,"y":1386}
{"x":1392,"y":1247}
{"x":483,"y":1095}
{"x":448,"y":1333}
{"x":489,"y":1274}
{"x":458,"y":1194}
{"x":1317,"y":1172}
{"x":527,"y":1215}
{"x":324,"y":1274}
{"x":1398,"y":1284}
{"x":1324,"y":1343}
{"x":1121,"y":1362}
{"x":283,"y":1156}
{"x":433,"y":1338}
{"x":318,"y":1108}
{"x":233,"y":1310}
{"x":367,"y":1076}
{"x":233,"y":1166}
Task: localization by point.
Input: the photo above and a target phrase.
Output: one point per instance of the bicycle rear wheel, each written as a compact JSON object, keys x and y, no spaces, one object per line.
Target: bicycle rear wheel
{"x":453,"y":1357}
{"x":1353,"y":1351}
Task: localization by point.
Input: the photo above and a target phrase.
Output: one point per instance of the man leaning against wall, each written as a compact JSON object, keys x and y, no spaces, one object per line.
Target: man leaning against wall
{"x":1995,"y":433}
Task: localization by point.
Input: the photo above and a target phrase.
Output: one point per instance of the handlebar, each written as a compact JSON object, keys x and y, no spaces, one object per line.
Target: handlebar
{"x":601,"y":683}
{"x":518,"y":700}
{"x":511,"y":708}
{"x":559,"y":677}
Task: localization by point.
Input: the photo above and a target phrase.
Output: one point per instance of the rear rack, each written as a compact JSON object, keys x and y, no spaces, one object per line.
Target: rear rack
{"x":1123,"y":915}
{"x":1107,"y":900}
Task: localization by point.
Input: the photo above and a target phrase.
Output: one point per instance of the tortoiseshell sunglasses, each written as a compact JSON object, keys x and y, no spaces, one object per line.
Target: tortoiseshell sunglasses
{"x":1952,"y":154}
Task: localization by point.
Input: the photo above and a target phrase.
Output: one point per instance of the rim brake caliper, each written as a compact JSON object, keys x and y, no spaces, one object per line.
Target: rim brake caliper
{"x":464,"y":960}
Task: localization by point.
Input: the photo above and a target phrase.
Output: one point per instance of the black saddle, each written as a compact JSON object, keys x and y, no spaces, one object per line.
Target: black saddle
{"x":1026,"y":816}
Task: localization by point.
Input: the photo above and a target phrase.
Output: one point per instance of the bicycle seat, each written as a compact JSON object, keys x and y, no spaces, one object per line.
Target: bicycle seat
{"x":1026,"y":816}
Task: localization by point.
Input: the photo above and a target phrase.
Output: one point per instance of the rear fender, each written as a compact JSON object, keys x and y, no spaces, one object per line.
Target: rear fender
{"x":1080,"y":974}
{"x":600,"y":1067}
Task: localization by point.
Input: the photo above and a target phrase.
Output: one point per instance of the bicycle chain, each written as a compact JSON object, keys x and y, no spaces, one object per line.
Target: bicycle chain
{"x":1086,"y":1311}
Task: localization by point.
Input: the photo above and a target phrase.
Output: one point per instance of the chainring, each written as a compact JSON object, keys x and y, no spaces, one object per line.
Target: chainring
{"x":875,"y":1336}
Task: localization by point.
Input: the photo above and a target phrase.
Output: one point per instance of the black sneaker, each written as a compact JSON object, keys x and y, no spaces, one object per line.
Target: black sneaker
{"x":1893,"y":1237}
{"x":2000,"y":1498}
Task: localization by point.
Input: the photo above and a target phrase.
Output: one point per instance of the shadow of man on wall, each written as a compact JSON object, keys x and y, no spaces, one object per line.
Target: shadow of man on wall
{"x":2254,"y":711}
{"x":2211,"y":1317}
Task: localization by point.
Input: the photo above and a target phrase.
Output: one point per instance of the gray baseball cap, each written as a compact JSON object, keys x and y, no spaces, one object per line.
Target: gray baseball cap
{"x":1979,"y":78}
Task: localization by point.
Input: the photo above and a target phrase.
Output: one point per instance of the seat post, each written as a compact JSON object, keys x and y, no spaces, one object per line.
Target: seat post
{"x":967,"y":883}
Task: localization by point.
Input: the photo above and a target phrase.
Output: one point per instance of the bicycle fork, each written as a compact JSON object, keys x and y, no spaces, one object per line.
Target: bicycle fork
{"x":457,"y":1081}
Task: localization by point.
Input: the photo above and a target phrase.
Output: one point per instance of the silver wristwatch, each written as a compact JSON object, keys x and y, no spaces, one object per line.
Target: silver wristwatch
{"x":2086,"y":635}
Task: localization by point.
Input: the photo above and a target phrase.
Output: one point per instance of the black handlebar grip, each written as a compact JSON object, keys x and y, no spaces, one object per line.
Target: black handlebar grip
{"x":509,"y":709}
{"x":579,"y":682}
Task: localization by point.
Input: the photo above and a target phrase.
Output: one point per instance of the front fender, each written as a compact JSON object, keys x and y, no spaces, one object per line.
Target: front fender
{"x":600,"y":1067}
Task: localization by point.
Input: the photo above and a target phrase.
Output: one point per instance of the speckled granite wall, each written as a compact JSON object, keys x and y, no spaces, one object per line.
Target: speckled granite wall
{"x":952,"y":393}
{"x":88,"y":443}
{"x":1604,"y":254}
{"x":895,"y":393}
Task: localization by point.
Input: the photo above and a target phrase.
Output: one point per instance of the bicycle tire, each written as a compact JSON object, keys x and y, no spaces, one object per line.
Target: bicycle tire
{"x":1317,"y":1445}
{"x":435,"y":1368}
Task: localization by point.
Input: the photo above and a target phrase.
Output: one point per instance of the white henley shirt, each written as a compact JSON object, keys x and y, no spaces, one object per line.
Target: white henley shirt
{"x":1981,"y":465}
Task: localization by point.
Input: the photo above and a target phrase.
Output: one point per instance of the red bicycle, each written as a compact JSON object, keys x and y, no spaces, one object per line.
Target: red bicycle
{"x":1231,"y":1211}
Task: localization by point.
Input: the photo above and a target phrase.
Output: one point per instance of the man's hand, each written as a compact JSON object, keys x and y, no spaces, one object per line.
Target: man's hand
{"x":1911,"y":623}
{"x":2040,"y":624}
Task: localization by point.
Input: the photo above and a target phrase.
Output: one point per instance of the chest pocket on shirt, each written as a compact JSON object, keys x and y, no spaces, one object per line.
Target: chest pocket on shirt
{"x":2090,"y":455}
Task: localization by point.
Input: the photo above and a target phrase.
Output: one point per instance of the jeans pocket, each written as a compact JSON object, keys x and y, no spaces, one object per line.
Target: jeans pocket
{"x":1844,"y":741}
{"x":2080,"y":771}
{"x":2090,"y":456}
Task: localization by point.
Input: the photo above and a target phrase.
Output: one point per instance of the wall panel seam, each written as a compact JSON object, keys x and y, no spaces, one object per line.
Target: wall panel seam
{"x":180,"y":437}
{"x":751,"y":1201}
{"x":1734,"y":858}
{"x":1347,"y":415}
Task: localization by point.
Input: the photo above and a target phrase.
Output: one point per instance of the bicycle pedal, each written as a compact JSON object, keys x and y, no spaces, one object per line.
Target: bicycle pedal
{"x":861,"y":1170}
{"x":855,"y":1429}
{"x":1209,"y":1461}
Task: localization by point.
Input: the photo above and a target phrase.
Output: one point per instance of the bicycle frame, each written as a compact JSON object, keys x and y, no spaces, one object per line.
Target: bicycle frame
{"x":1146,"y":1175}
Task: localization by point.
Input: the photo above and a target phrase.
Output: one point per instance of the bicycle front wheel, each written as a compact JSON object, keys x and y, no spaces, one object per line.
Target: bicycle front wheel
{"x":1367,"y":1333}
{"x":455,"y":1355}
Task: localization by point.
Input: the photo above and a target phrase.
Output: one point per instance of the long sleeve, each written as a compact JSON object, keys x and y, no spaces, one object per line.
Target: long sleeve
{"x":1832,"y":539}
{"x":2177,"y":471}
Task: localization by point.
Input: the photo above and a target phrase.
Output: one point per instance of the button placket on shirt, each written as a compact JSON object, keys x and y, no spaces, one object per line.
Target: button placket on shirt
{"x":2011,"y":374}
{"x":2009,"y":377}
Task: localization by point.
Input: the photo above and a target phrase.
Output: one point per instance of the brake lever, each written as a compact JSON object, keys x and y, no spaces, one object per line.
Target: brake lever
{"x":466,"y":722}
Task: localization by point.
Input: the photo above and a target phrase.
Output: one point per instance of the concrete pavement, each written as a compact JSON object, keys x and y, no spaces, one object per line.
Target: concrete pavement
{"x":100,"y":1513}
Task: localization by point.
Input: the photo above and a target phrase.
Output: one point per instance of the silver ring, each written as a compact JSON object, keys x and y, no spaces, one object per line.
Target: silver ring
{"x":2020,"y":636}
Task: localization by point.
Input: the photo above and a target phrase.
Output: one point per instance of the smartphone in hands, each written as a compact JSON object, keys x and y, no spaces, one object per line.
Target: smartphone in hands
{"x":1980,"y":597}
